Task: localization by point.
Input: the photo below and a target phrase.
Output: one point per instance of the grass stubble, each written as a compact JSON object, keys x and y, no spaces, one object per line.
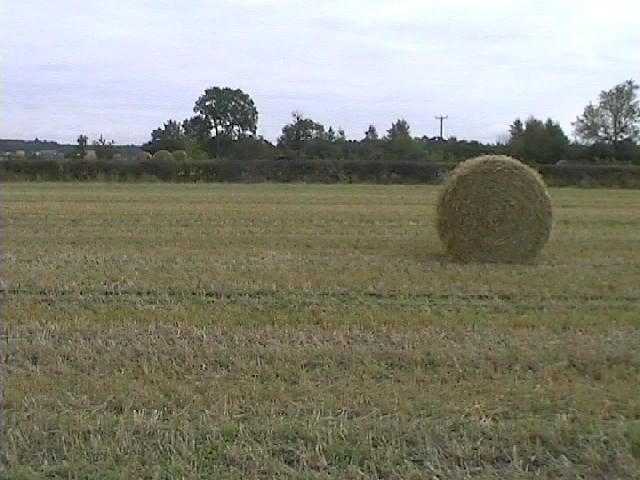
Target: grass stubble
{"x":301,"y":331}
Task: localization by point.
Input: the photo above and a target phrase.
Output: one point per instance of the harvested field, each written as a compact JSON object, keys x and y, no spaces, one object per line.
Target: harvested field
{"x":304,"y":331}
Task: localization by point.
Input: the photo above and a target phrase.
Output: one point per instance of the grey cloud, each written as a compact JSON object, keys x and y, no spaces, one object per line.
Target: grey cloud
{"x":122,"y":68}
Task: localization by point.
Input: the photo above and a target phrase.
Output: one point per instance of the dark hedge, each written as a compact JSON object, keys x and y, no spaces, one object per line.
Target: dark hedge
{"x":291,"y":170}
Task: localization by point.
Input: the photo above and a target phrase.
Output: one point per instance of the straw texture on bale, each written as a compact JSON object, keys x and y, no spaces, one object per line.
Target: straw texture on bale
{"x":163,"y":156}
{"x":90,"y":156}
{"x":494,"y":209}
{"x":142,"y":156}
{"x":180,"y":156}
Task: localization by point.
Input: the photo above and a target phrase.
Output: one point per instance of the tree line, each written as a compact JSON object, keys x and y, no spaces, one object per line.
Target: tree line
{"x":225,"y":120}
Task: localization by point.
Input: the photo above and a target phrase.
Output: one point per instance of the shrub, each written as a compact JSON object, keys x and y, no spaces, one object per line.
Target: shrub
{"x":494,"y":209}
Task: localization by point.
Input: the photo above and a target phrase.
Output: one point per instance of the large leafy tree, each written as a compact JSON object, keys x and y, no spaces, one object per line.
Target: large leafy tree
{"x":614,"y":120}
{"x":231,"y":113}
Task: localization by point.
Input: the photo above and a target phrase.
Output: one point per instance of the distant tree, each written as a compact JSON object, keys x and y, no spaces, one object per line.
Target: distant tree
{"x":171,"y":130}
{"x":80,"y":150}
{"x":628,"y":151}
{"x":341,"y":135}
{"x":198,"y":128}
{"x":615,"y":119}
{"x":537,"y":141}
{"x":300,"y":131}
{"x":557,"y":141}
{"x":399,"y":130}
{"x":330,"y":136}
{"x":197,"y":131}
{"x":399,"y":144}
{"x":371,"y":134}
{"x":516,"y":129}
{"x":231,"y":113}
{"x":169,"y":137}
{"x":104,"y":149}
{"x":251,"y":148}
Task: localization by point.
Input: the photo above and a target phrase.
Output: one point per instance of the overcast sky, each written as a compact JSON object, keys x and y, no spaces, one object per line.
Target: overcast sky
{"x":123,"y":67}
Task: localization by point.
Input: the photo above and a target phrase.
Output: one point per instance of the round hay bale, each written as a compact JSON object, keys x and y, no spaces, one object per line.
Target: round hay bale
{"x":163,"y":156}
{"x":180,"y":156}
{"x":494,"y":209}
{"x":90,"y":156}
{"x":143,"y":156}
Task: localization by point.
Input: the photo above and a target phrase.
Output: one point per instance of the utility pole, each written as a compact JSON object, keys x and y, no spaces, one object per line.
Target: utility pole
{"x":441,"y":118}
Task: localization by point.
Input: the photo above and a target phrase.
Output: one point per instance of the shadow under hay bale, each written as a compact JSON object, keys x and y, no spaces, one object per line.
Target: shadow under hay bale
{"x":494,"y":209}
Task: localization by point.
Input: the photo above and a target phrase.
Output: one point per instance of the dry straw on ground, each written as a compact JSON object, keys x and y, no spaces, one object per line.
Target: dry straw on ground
{"x":494,"y":209}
